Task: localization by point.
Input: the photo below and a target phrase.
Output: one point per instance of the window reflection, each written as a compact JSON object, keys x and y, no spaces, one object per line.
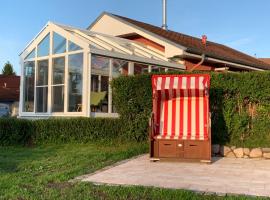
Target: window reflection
{"x":58,"y":70}
{"x":58,"y":81}
{"x":99,"y":84}
{"x":75,"y":67}
{"x":29,"y":83}
{"x":58,"y":98}
{"x":158,"y":69}
{"x":41,"y":98}
{"x":59,"y":44}
{"x":73,"y":47}
{"x":35,"y":96}
{"x":42,"y":86}
{"x":31,"y":55}
{"x":140,"y":68}
{"x":100,"y":65}
{"x":42,"y":73}
{"x":119,"y":67}
{"x":44,"y":46}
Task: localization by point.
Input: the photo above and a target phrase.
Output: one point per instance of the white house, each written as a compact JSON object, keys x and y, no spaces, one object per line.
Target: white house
{"x":66,"y":71}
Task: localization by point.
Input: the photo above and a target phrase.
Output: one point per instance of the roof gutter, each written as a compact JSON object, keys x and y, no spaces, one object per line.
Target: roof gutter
{"x":47,"y":24}
{"x":219,"y":61}
{"x":199,"y":64}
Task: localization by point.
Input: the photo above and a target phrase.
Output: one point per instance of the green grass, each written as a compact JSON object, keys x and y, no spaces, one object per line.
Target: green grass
{"x":43,"y":173}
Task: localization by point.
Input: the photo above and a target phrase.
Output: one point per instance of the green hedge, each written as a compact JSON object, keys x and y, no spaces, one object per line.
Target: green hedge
{"x":239,"y":102}
{"x":132,"y":97}
{"x":14,"y":131}
{"x":29,"y":132}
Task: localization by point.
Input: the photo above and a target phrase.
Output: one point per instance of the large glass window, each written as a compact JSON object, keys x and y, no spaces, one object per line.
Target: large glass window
{"x":158,"y":69}
{"x":58,"y":70}
{"x":59,"y":44}
{"x":29,"y":86}
{"x":31,"y":55}
{"x":99,"y":83}
{"x":75,"y":67}
{"x":119,"y":67}
{"x":95,"y":83}
{"x":58,"y":98}
{"x":140,"y":68}
{"x":42,"y":73}
{"x":42,"y":99}
{"x":42,"y":86}
{"x":100,"y":65}
{"x":44,"y":47}
{"x":61,"y":75}
{"x":58,"y":80}
{"x":73,"y":47}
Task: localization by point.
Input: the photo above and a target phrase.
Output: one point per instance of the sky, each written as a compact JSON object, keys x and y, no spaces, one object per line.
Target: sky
{"x":240,"y":24}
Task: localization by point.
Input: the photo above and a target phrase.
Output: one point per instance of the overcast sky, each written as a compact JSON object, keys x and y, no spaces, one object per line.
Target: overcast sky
{"x":240,"y":24}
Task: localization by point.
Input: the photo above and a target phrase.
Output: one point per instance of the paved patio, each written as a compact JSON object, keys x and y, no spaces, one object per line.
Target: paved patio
{"x":224,"y":175}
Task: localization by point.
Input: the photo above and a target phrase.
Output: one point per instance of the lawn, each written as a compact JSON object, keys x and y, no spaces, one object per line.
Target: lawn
{"x":43,"y":172}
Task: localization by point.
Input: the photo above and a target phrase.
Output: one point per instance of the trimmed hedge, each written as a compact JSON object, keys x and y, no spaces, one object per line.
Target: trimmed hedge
{"x":55,"y":130}
{"x":15,"y":131}
{"x":239,"y":103}
{"x":132,"y":97}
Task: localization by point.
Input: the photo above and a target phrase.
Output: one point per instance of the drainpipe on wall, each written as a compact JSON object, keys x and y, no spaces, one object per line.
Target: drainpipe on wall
{"x":198,"y":64}
{"x":204,"y":41}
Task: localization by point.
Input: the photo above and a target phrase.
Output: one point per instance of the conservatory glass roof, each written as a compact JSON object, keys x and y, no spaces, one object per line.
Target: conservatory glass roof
{"x":107,"y":45}
{"x":114,"y":46}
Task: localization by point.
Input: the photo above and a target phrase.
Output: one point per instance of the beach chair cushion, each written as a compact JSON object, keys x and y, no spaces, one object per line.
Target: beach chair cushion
{"x":181,"y":106}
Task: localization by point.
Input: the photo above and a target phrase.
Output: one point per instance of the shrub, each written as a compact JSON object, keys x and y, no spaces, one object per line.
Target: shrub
{"x":132,"y":97}
{"x":239,"y":103}
{"x":55,"y":130}
{"x":14,"y":131}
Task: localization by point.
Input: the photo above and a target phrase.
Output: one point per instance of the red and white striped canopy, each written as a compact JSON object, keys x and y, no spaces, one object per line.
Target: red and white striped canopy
{"x":180,"y":82}
{"x":180,"y":106}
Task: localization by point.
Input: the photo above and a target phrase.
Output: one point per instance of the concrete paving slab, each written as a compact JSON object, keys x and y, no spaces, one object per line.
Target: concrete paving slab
{"x":223,"y":176}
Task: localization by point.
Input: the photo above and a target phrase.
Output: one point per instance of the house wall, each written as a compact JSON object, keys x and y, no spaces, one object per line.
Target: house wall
{"x":204,"y":67}
{"x":188,"y":63}
{"x":113,"y":26}
{"x":145,"y":41}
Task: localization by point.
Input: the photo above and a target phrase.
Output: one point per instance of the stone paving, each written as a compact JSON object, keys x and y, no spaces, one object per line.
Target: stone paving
{"x":223,"y":176}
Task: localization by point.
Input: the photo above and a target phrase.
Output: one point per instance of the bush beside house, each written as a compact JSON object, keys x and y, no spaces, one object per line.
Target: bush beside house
{"x":239,"y":103}
{"x":28,"y":132}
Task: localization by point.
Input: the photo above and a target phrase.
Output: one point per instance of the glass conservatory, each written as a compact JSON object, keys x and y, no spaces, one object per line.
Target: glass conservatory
{"x":66,"y":71}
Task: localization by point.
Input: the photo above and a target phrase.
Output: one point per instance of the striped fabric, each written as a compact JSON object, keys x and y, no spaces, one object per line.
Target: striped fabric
{"x":180,"y":106}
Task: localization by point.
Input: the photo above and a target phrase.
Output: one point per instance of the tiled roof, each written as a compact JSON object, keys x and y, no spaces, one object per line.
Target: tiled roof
{"x":9,"y":88}
{"x":266,"y":60}
{"x":195,"y":46}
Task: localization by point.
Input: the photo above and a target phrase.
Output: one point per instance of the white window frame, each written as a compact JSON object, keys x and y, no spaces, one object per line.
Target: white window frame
{"x":50,"y":28}
{"x":55,"y":85}
{"x":84,"y":42}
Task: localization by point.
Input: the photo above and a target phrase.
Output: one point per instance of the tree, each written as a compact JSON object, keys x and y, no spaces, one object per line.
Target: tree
{"x":8,"y":69}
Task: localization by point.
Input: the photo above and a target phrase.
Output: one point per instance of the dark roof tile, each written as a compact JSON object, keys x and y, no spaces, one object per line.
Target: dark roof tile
{"x":9,"y":88}
{"x":194,"y":45}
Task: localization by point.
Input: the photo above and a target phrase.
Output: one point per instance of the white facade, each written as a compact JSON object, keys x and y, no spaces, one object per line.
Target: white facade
{"x":66,"y":71}
{"x":115,"y":26}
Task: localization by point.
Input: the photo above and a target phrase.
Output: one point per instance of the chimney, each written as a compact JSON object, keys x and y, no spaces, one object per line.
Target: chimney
{"x":164,"y":14}
{"x":204,"y":39}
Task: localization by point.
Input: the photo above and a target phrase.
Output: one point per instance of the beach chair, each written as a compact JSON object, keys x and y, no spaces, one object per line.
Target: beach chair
{"x":180,"y":125}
